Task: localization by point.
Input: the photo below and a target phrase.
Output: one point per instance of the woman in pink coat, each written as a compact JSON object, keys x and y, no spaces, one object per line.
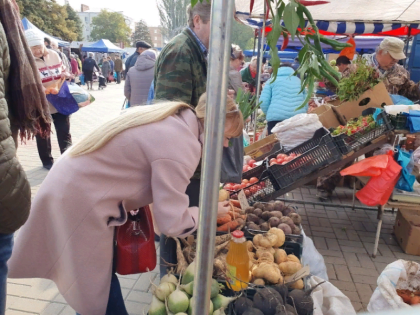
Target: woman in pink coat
{"x":144,"y":156}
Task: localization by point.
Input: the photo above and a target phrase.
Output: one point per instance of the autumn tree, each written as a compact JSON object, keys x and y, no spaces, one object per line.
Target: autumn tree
{"x":141,"y":32}
{"x":111,"y":26}
{"x":52,"y":18}
{"x":173,"y":16}
{"x":242,"y":35}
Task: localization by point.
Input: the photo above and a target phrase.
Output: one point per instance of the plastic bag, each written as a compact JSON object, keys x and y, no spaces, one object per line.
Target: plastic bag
{"x":329,"y":300}
{"x":406,"y":180}
{"x":383,"y":149}
{"x":296,"y":130}
{"x":401,"y":274}
{"x":416,"y":156}
{"x":82,"y":97}
{"x":400,"y":100}
{"x":312,"y":258}
{"x":372,"y":167}
{"x":378,"y":189}
{"x":232,"y":161}
{"x":63,"y":102}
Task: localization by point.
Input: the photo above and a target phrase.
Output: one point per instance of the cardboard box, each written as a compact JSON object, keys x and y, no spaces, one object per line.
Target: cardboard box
{"x":262,"y":147}
{"x":327,"y":116}
{"x":377,"y":97}
{"x":407,"y":230}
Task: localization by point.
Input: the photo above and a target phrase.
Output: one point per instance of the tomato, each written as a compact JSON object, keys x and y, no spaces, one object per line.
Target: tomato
{"x":285,"y":162}
{"x":253,"y":189}
{"x":292,"y":155}
{"x":236,"y":187}
{"x":247,"y":192}
{"x":273,"y":160}
{"x":281,"y":155}
{"x":273,"y":163}
{"x":246,"y":168}
{"x":229,"y":187}
{"x":279,"y":161}
{"x":262,"y":185}
{"x":251,"y":163}
{"x":253,"y":180}
{"x":245,"y":181}
{"x":243,"y":185}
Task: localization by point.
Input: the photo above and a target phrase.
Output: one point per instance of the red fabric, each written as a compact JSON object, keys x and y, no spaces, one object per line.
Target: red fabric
{"x":74,"y":67}
{"x":253,"y":73}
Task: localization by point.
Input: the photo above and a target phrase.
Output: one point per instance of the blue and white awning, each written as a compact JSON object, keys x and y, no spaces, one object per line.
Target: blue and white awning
{"x":348,"y":17}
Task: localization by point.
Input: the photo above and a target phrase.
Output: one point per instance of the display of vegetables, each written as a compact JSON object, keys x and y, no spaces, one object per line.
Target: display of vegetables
{"x":171,"y":298}
{"x":263,"y":216}
{"x":235,"y":219}
{"x":357,"y":126}
{"x":249,"y":186}
{"x":409,"y":297}
{"x":283,"y":159}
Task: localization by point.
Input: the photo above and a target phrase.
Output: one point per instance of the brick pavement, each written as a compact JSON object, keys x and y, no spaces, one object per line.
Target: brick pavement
{"x":343,"y":236}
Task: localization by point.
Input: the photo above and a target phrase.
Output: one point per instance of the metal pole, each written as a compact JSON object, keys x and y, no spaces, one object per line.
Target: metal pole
{"x":259,"y":65}
{"x":378,"y":231}
{"x":406,"y":46}
{"x":217,"y":83}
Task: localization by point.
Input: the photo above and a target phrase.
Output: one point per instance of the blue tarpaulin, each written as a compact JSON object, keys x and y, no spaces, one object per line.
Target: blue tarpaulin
{"x":103,"y":46}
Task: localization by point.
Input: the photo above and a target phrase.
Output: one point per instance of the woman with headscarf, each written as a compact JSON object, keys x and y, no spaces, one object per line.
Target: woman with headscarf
{"x":139,"y":78}
{"x":236,"y":59}
{"x":69,"y":235}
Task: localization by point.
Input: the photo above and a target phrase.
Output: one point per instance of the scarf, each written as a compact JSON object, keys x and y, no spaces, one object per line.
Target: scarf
{"x":26,"y":98}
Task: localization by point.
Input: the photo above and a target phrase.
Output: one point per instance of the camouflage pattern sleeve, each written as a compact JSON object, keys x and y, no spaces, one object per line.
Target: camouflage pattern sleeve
{"x":173,"y":77}
{"x":400,"y":78}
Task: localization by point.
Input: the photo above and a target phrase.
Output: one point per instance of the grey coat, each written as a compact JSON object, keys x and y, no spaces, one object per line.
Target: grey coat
{"x":106,"y":68}
{"x":138,"y":80}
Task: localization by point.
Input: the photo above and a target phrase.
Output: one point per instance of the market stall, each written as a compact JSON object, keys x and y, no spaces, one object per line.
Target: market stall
{"x":257,"y":251}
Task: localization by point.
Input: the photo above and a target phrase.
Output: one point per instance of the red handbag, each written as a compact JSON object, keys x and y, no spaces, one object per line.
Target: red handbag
{"x":135,"y":244}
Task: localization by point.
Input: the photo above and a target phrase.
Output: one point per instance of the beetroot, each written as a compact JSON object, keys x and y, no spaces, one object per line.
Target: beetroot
{"x":286,"y":211}
{"x":286,"y":228}
{"x":253,"y":311}
{"x":242,"y":304}
{"x":274,"y":221}
{"x":267,"y":300}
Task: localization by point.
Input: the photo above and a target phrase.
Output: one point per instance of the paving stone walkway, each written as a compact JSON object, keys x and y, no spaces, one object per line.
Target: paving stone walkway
{"x":343,"y":236}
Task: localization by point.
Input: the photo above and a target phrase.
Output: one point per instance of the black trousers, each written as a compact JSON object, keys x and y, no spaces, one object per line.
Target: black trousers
{"x":271,"y":125}
{"x":62,"y":128}
{"x":168,"y":245}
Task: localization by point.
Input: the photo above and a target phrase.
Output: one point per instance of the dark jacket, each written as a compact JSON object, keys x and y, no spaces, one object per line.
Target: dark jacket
{"x":181,"y":70}
{"x":118,"y":65}
{"x":89,"y":64}
{"x":131,"y":61}
{"x":15,"y":191}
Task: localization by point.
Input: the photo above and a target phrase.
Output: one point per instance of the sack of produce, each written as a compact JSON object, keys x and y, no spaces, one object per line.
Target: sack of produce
{"x":296,"y":130}
{"x":328,"y":299}
{"x":398,"y":287}
{"x":312,"y":258}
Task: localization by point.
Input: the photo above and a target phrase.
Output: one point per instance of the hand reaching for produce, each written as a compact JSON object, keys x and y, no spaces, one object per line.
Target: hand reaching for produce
{"x":223,"y":209}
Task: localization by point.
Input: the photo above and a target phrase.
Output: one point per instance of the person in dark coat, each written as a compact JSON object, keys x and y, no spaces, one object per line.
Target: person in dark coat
{"x":88,"y":65}
{"x":131,"y":61}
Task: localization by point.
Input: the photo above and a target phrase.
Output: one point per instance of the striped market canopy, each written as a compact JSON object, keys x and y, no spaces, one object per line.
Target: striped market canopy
{"x":373,"y":17}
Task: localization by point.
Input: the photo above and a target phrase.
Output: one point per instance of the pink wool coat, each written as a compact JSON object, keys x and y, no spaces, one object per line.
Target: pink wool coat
{"x":69,"y":234}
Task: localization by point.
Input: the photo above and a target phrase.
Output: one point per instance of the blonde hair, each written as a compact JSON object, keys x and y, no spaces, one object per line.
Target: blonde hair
{"x":143,"y":115}
{"x":202,"y":9}
{"x":237,"y":53}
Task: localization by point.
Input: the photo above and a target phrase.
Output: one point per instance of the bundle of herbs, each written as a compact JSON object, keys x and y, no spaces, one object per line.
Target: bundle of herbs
{"x":362,"y":78}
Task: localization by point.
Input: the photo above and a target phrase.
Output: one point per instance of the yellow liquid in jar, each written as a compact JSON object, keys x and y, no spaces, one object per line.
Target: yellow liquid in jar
{"x":237,"y":261}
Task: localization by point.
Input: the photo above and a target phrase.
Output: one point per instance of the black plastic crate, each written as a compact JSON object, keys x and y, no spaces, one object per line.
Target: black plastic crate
{"x":399,"y":121}
{"x":315,"y":153}
{"x":355,"y":141}
{"x":255,"y":172}
{"x":260,"y":193}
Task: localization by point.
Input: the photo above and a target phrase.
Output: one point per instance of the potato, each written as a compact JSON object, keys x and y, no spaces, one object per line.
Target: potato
{"x":276,"y":214}
{"x":288,"y":210}
{"x":266,"y":256}
{"x":256,"y":240}
{"x":280,"y":236}
{"x":249,"y":210}
{"x":259,"y":281}
{"x":258,"y":212}
{"x":268,"y":240}
{"x":296,"y":230}
{"x":264,"y":227}
{"x":261,"y":250}
{"x":292,"y":257}
{"x":280,"y":256}
{"x":296,"y":285}
{"x":249,"y":246}
{"x":295,"y":218}
{"x":268,"y":272}
{"x":278,"y":205}
{"x":265,"y":216}
{"x":273,"y":221}
{"x":285,"y":228}
{"x":253,"y":218}
{"x":253,"y":226}
{"x":290,"y":267}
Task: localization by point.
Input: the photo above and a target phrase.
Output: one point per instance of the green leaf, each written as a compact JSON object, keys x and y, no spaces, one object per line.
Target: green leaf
{"x":309,"y":95}
{"x":314,"y":65}
{"x":299,"y":12}
{"x":291,"y":18}
{"x":194,"y":2}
